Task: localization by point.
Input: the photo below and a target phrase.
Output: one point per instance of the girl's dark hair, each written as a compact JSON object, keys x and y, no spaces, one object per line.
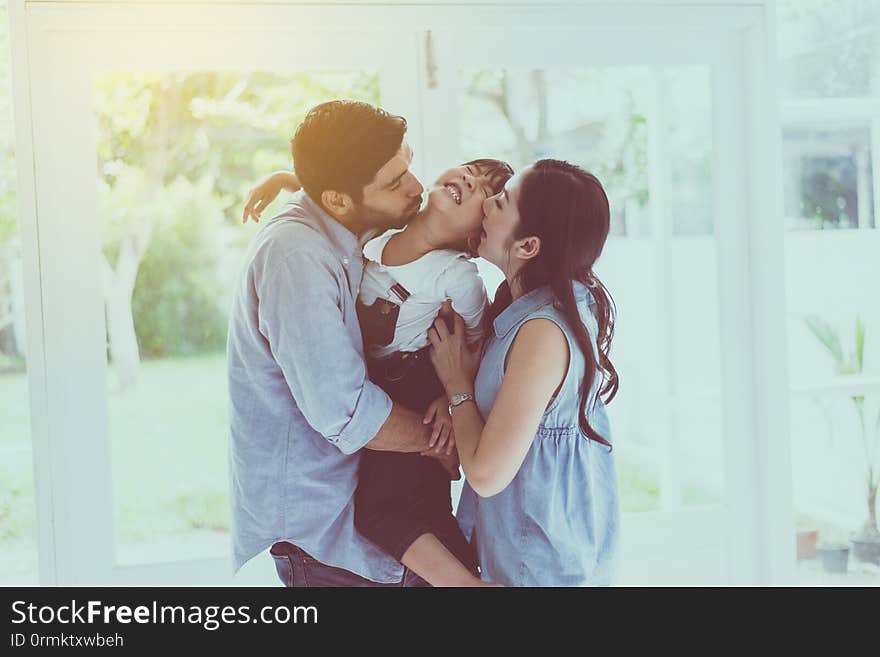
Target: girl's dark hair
{"x":497,"y":171}
{"x":567,"y":208}
{"x":341,"y":145}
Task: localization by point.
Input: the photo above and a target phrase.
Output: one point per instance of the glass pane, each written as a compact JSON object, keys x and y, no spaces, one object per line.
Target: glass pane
{"x":521,"y":116}
{"x":835,"y":399}
{"x":829,"y":48}
{"x":828,"y":177}
{"x":176,"y":156}
{"x":646,"y":133}
{"x":18,"y":547}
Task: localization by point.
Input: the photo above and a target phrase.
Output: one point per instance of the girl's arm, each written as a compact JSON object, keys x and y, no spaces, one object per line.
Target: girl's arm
{"x":464,"y":287}
{"x":491,"y":453}
{"x":266,"y":191}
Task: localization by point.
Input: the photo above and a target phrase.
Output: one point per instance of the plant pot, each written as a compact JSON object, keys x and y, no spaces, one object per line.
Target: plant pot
{"x":834,"y":559}
{"x":866,"y":550}
{"x":806,"y":543}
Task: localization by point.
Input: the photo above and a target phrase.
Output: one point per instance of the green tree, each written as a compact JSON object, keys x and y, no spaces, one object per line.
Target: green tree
{"x":212,"y":135}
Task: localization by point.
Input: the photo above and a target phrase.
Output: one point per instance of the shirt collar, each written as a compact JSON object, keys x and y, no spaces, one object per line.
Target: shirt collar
{"x":528,"y":303}
{"x":373,"y":248}
{"x":345,"y":243}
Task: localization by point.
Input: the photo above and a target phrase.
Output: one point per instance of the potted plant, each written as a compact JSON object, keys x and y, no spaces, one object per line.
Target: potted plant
{"x":807,"y":536}
{"x":834,"y":553}
{"x":866,"y":543}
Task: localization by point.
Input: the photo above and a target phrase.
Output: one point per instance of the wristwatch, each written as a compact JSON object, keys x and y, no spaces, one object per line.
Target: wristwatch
{"x":457,"y":399}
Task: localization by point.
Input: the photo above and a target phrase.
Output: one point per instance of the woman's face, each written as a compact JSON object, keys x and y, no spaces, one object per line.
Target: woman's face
{"x":457,"y":196}
{"x":500,"y":223}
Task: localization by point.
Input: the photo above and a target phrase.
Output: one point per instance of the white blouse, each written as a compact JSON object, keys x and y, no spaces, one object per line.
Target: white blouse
{"x":430,"y":280}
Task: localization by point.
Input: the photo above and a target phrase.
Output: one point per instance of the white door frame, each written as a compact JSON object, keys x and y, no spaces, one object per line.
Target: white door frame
{"x":57,"y":47}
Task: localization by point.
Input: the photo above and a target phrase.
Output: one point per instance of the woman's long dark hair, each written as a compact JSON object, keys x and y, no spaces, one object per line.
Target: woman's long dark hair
{"x":567,"y":208}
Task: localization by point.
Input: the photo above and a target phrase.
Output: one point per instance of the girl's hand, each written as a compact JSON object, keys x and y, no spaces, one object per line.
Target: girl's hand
{"x":265,"y":192}
{"x":443,"y":437}
{"x":449,"y":462}
{"x":456,"y":363}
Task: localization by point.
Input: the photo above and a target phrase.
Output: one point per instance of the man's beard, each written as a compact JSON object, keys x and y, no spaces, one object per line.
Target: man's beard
{"x":371,"y":218}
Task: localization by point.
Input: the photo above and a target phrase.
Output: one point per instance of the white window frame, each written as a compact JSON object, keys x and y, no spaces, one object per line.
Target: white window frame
{"x":56,"y":47}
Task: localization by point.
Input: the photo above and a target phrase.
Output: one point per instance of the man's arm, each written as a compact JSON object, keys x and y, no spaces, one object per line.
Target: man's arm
{"x":403,"y":431}
{"x":300,"y":317}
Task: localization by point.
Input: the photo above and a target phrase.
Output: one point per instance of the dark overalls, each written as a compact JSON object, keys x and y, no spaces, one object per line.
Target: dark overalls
{"x":401,"y":496}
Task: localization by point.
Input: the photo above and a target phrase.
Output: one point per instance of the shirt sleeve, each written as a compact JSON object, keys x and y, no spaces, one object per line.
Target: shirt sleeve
{"x":301,"y":317}
{"x":464,"y":287}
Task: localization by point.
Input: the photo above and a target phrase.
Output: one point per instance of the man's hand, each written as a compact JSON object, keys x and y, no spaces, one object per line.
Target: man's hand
{"x":448,"y":461}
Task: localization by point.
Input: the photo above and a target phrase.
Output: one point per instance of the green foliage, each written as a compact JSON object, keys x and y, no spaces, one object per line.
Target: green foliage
{"x":860,"y":344}
{"x":16,"y":503}
{"x":202,"y":509}
{"x":178,"y":152}
{"x":176,"y":304}
{"x":854,"y":364}
{"x":829,"y":339}
{"x":8,"y":207}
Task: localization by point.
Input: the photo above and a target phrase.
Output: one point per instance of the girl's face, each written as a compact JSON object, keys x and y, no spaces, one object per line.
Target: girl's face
{"x":501,"y":220}
{"x":457,"y":197}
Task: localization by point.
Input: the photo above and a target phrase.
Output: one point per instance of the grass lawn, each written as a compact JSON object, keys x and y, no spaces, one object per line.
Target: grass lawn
{"x":169,"y":457}
{"x":168,"y":447}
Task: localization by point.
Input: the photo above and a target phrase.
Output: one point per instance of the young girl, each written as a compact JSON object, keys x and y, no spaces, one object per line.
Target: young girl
{"x":403,"y":500}
{"x":541,"y":496}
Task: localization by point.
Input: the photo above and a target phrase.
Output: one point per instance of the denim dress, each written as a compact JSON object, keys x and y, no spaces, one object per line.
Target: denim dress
{"x":557,"y":522}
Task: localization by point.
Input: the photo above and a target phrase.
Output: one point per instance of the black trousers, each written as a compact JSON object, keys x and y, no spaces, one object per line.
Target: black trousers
{"x":402,"y":496}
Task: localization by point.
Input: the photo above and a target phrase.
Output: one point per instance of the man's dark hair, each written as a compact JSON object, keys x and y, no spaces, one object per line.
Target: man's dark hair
{"x":340,"y":145}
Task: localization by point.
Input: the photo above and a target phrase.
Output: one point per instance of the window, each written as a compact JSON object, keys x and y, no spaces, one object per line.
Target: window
{"x":828,"y":177}
{"x":600,"y":118}
{"x":830,"y":84}
{"x":646,"y":132}
{"x":18,"y":548}
{"x":830,"y":64}
{"x":176,"y":156}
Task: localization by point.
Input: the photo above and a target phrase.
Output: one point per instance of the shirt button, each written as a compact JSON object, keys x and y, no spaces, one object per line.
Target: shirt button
{"x":345,"y":262}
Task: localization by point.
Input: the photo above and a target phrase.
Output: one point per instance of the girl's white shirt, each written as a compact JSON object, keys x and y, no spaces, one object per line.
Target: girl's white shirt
{"x":436,"y":276}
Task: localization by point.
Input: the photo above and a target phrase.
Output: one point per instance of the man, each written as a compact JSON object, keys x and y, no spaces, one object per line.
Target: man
{"x":302,"y":405}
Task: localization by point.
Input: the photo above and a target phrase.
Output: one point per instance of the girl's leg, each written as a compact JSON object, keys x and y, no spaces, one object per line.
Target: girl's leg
{"x":431,"y":561}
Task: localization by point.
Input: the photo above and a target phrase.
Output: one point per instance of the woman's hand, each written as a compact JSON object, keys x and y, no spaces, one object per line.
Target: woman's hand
{"x":443,"y":437}
{"x":456,"y":363}
{"x":265,"y":192}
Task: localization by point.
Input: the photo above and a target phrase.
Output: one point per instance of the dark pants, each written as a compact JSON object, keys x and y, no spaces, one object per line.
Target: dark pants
{"x":298,"y":569}
{"x":401,"y":496}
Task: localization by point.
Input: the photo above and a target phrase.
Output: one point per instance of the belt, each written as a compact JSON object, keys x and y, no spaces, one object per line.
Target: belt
{"x":396,"y":366}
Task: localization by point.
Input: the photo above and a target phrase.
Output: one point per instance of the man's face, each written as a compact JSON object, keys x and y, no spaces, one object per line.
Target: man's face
{"x":394,"y":196}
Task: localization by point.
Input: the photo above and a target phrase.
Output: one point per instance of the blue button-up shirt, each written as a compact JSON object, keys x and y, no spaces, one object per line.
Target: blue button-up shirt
{"x":301,"y":403}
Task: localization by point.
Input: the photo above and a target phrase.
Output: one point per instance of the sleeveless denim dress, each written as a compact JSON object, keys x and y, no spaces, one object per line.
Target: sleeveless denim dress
{"x":557,"y":522}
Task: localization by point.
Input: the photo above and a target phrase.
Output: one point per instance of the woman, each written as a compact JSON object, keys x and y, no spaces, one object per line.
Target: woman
{"x":541,"y":495}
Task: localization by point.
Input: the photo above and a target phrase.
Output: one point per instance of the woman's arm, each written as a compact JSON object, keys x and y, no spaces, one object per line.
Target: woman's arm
{"x":491,"y":453}
{"x":266,"y":191}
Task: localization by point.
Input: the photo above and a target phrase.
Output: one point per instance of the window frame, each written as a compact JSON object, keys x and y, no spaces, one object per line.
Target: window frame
{"x":62,"y":280}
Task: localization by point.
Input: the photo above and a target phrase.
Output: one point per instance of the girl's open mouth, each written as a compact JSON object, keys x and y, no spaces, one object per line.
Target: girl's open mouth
{"x":454,"y":191}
